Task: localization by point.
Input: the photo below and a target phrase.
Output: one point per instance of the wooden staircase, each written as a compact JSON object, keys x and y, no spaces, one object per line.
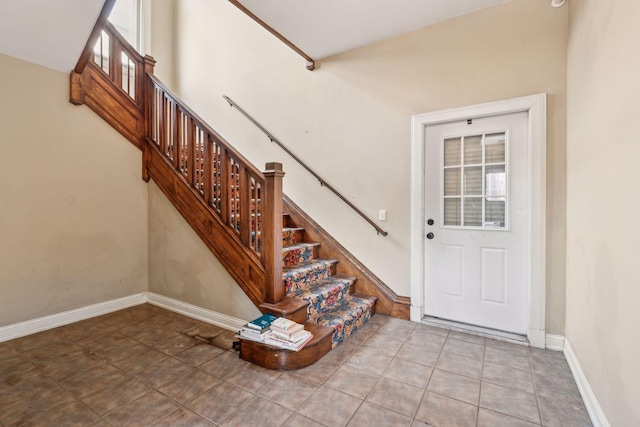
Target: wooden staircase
{"x":316,"y":296}
{"x":285,"y":262}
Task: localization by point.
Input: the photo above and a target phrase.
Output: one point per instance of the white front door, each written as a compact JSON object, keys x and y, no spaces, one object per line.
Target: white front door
{"x":477,"y":214}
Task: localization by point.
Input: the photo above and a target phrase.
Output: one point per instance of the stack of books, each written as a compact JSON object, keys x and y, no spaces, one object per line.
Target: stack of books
{"x":257,"y":329}
{"x":276,"y":331}
{"x":288,"y":334}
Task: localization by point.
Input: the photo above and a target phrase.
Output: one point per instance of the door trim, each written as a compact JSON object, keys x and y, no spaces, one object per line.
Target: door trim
{"x":536,"y":106}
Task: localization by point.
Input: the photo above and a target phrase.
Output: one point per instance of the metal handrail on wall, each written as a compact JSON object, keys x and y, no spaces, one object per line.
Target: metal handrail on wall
{"x":323,"y":183}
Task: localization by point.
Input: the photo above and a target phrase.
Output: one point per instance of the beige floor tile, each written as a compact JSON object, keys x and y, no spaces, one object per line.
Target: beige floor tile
{"x":427,"y":340}
{"x":442,"y":411}
{"x":418,"y":354}
{"x":511,"y":402}
{"x":139,"y":361}
{"x":464,"y":348}
{"x":372,"y":415}
{"x":145,"y":411}
{"x":224,"y":365}
{"x":338,"y":413}
{"x":253,"y":378}
{"x":397,"y":396}
{"x":258,"y":412}
{"x":319,"y":371}
{"x":556,"y":387}
{"x":476,"y":339}
{"x":184,"y":418}
{"x":461,"y":365}
{"x":383,"y":344}
{"x":563,"y":413}
{"x":187,"y":386}
{"x":297,"y":420}
{"x":487,"y":418}
{"x":508,"y":377}
{"x":73,"y":414}
{"x":224,"y":340}
{"x":116,"y":346}
{"x":352,"y":381}
{"x":118,"y":394}
{"x":289,"y":390}
{"x":507,"y":357}
{"x":91,"y":381}
{"x":46,"y":397}
{"x":369,"y":361}
{"x":408,"y":372}
{"x":62,"y":367}
{"x":517,"y":349}
{"x":174,"y":343}
{"x":199,"y":354}
{"x":455,"y":386}
{"x":219,"y":402}
{"x":432,"y":330}
{"x":164,"y":372}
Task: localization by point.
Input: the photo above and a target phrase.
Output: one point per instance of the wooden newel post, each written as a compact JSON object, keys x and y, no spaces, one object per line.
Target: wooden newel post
{"x":272,"y":232}
{"x":147,"y":104}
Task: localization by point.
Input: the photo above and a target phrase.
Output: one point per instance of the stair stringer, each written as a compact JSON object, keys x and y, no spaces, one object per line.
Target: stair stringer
{"x":389,"y":303}
{"x":244,"y":266}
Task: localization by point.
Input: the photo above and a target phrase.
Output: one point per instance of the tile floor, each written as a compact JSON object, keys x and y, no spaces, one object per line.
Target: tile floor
{"x":147,"y":366}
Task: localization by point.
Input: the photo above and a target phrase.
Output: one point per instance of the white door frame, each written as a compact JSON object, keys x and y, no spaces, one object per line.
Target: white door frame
{"x":536,"y":106}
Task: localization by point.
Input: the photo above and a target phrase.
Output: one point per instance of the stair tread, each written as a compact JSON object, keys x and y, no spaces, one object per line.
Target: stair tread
{"x":345,"y":317}
{"x":347,"y":309}
{"x":292,"y":229}
{"x":322,"y":285}
{"x":345,"y":306}
{"x":299,"y":246}
{"x":309,"y":265}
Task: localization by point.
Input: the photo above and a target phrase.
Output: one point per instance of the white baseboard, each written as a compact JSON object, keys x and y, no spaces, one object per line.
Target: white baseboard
{"x":554,"y":342}
{"x":590,"y":400}
{"x":40,"y":324}
{"x":222,"y":320}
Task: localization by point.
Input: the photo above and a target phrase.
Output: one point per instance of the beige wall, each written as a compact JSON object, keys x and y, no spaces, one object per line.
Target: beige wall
{"x":351,"y":118}
{"x":182,"y":267}
{"x":160,"y":38}
{"x":73,"y":209}
{"x":603,"y":279}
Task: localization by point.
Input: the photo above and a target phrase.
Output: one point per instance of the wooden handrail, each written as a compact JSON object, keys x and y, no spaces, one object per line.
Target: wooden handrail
{"x":93,"y":37}
{"x":311,"y":63}
{"x":305,"y":166}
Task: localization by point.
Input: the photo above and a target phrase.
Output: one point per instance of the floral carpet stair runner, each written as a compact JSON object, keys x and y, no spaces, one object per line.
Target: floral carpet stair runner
{"x":330,"y":298}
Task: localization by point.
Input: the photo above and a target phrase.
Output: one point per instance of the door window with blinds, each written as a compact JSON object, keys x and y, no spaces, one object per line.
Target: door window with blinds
{"x":474,"y":177}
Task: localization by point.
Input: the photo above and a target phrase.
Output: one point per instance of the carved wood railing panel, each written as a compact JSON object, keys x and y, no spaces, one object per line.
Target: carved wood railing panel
{"x":231,"y":188}
{"x":112,"y":83}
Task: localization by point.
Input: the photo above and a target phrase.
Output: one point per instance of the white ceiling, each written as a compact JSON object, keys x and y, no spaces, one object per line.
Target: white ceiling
{"x":322,"y":28}
{"x":51,"y":33}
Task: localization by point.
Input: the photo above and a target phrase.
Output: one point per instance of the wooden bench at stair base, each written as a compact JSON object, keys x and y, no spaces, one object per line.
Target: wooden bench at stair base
{"x":271,"y":357}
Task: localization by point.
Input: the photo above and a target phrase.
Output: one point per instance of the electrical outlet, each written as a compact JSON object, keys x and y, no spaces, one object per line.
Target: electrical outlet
{"x":382,"y":215}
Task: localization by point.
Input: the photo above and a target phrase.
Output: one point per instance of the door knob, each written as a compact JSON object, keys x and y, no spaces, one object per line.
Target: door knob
{"x":430,"y":236}
{"x":430,"y":222}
